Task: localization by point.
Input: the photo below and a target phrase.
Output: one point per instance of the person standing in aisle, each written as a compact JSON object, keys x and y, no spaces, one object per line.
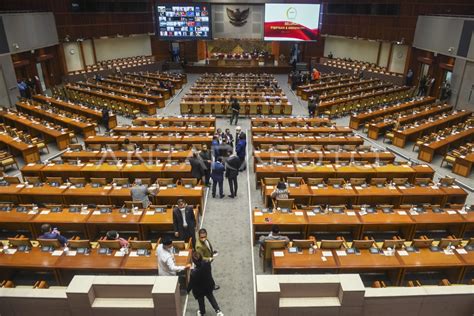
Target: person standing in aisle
{"x":217,"y":175}
{"x":231,"y":172}
{"x":206,"y":157}
{"x":240,"y":150}
{"x":235,"y":108}
{"x":184,"y":222}
{"x":202,"y":284}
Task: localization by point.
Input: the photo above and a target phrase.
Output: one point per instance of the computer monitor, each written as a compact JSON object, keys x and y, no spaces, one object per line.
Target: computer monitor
{"x":393,"y":243}
{"x":362,"y":244}
{"x":422,"y":243}
{"x":331,"y":244}
{"x":445,"y":242}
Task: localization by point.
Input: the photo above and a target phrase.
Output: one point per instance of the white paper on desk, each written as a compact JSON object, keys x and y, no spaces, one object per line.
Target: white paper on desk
{"x":150,"y":213}
{"x":299,"y":213}
{"x":324,"y":259}
{"x":402,"y":212}
{"x":313,"y":187}
{"x":362,"y":213}
{"x":341,"y":253}
{"x":461,"y":251}
{"x":402,"y":187}
{"x":63,"y":187}
{"x":20,"y":186}
{"x":310,"y":213}
{"x":278,"y":254}
{"x":119,"y":254}
{"x":414,"y":213}
{"x":133,"y":254}
{"x":198,"y":188}
{"x":107,"y":187}
{"x":10,"y":251}
{"x":402,"y":253}
{"x":259,"y":165}
{"x":258,"y":213}
{"x":44,"y":212}
{"x":269,"y":187}
{"x":29,"y":186}
{"x":32,"y":212}
{"x":57,"y":253}
{"x":183,"y":253}
{"x":462,"y":212}
{"x":137,"y":212}
{"x":435,"y":187}
{"x":84,"y":212}
{"x":327,"y":254}
{"x":351,"y":213}
{"x":89,"y":164}
{"x":448,"y":252}
{"x":358,"y":187}
{"x":456,"y":187}
{"x":451,"y":212}
{"x":71,"y":253}
{"x":96,"y":213}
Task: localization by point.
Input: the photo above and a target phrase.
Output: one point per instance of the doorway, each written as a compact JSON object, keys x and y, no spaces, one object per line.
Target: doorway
{"x":39,"y":70}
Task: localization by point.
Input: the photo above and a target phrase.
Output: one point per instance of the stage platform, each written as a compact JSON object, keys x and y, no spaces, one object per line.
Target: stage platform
{"x":202,"y":67}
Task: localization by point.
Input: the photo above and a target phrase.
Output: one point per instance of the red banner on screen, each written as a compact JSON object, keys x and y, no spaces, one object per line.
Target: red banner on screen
{"x":285,"y":29}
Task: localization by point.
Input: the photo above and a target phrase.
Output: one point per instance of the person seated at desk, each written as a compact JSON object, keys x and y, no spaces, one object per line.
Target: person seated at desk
{"x":114,"y":235}
{"x":52,"y":233}
{"x":274,"y":235}
{"x":280,"y":192}
{"x":140,"y":192}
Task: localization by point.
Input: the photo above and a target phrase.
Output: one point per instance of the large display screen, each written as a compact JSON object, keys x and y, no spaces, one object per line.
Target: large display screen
{"x":291,"y":22}
{"x":182,"y":21}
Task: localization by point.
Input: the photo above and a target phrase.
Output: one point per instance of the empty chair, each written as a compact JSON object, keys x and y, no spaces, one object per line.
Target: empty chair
{"x":190,"y":182}
{"x":378,"y":181}
{"x":165,"y":181}
{"x":98,"y":181}
{"x":336,"y":181}
{"x":315,"y":181}
{"x":32,"y":180}
{"x":268,"y":247}
{"x":54,"y":181}
{"x":287,"y":204}
{"x":295,"y":180}
{"x":120,"y":181}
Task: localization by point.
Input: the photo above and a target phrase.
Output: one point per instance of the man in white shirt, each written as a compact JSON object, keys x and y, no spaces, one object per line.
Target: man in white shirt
{"x":166,"y":262}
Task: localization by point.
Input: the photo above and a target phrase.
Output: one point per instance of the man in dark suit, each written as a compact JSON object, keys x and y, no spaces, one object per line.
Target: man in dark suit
{"x":206,"y":158}
{"x":184,"y":222}
{"x":217,"y":175}
{"x":231,"y":172}
{"x":198,"y":169}
{"x":238,"y":133}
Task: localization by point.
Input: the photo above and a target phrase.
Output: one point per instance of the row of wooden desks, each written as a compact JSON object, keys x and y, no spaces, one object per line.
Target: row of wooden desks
{"x":307,"y":140}
{"x":427,"y":151}
{"x":143,"y":86}
{"x":30,"y":153}
{"x":85,"y":128}
{"x":108,"y":194}
{"x":363,"y":222}
{"x":326,"y":171}
{"x":323,"y":155}
{"x":143,"y":106}
{"x":76,"y":108}
{"x":177,"y":82}
{"x":127,"y":156}
{"x":188,"y":130}
{"x":377,"y":128}
{"x":357,"y":120}
{"x":402,"y":136}
{"x":287,"y":121}
{"x":198,"y":107}
{"x":140,"y":140}
{"x":398,"y":266}
{"x":64,"y":266}
{"x":109,"y":170}
{"x":326,"y":106}
{"x":303,"y":130}
{"x":157,"y":99}
{"x":355,"y":83}
{"x":190,"y":120}
{"x":372,"y":195}
{"x":34,"y":128}
{"x":90,"y":222}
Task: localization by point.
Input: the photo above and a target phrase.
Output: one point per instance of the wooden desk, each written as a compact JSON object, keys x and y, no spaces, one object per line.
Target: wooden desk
{"x":402,"y":136}
{"x":34,"y":128}
{"x":307,"y":140}
{"x":294,"y":222}
{"x":303,"y":262}
{"x":153,"y":130}
{"x":301,"y":194}
{"x":448,"y":220}
{"x":75,"y":108}
{"x":463,"y":164}
{"x":427,"y":151}
{"x":127,"y":156}
{"x":84,"y":128}
{"x":320,"y":223}
{"x":30,"y":153}
{"x":140,"y":140}
{"x":141,"y":85}
{"x":193,"y":120}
